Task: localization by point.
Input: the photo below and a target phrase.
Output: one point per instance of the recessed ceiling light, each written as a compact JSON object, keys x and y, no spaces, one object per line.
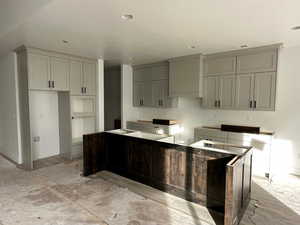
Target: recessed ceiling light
{"x":65,"y":41}
{"x":244,"y":46}
{"x":296,"y":28}
{"x":127,"y":17}
{"x":192,"y":47}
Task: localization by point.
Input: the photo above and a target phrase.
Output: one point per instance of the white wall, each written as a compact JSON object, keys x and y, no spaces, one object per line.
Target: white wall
{"x":100,"y":95}
{"x":44,"y":123}
{"x":285,"y":121}
{"x":127,"y":110}
{"x":9,"y":133}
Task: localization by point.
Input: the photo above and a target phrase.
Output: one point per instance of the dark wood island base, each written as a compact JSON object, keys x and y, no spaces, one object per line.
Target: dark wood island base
{"x":219,"y":181}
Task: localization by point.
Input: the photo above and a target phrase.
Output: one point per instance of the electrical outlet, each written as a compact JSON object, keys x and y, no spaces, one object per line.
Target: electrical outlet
{"x":36,"y":139}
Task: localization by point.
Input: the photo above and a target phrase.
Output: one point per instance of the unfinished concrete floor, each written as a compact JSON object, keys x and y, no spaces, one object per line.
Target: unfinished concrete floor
{"x":58,"y":195}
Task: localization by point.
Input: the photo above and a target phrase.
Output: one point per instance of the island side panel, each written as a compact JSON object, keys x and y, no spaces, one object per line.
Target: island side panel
{"x":94,"y":153}
{"x":238,"y":188}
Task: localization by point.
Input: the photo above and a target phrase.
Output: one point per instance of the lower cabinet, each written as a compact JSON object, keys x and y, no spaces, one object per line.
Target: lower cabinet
{"x":139,"y":158}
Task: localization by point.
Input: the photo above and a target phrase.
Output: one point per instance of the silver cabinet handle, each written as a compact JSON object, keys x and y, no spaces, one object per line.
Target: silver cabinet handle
{"x":255,"y":104}
{"x":250,"y":103}
{"x":85,"y":89}
{"x":53,"y":84}
{"x":219,"y":103}
{"x":49,"y":84}
{"x":159,"y":102}
{"x":82,"y":90}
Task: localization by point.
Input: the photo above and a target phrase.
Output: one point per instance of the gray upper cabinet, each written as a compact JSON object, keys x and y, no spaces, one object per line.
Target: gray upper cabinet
{"x":38,"y":71}
{"x":60,"y":74}
{"x":256,"y":91}
{"x":219,"y":92}
{"x":76,"y":78}
{"x":241,"y":80}
{"x":227,"y":91}
{"x":142,"y":94}
{"x":89,"y":78}
{"x":219,"y":65}
{"x":151,"y":86}
{"x":83,"y":79}
{"x":264,"y":91}
{"x":262,"y":61}
{"x":211,"y":92}
{"x":185,"y":76}
{"x":244,"y":91}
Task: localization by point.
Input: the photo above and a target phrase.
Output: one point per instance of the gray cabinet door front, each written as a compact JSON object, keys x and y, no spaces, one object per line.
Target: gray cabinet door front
{"x":244,"y":91}
{"x":147,"y":94}
{"x":264,"y":91}
{"x":227,"y":91}
{"x":60,"y":74}
{"x":137,"y":93}
{"x":210,"y":92}
{"x":156,"y":93}
{"x":76,"y":78}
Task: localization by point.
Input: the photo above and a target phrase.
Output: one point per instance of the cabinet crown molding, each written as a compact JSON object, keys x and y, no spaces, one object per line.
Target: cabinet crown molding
{"x":239,"y":52}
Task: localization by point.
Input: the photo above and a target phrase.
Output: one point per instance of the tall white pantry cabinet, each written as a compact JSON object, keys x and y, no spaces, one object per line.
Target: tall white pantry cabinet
{"x":74,"y":80}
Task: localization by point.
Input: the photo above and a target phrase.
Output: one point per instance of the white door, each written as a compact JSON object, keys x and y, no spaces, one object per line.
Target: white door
{"x":39,"y":72}
{"x":264,"y":91}
{"x":60,"y":74}
{"x":44,"y":124}
{"x":227,"y":91}
{"x":244,"y":91}
{"x":89,"y":78}
{"x":210,"y":92}
{"x":76,"y":78}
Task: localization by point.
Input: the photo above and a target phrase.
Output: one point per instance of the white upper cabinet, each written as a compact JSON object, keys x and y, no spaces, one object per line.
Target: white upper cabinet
{"x":89,"y":78}
{"x":142,"y":74}
{"x":38,"y":71}
{"x":263,"y":61}
{"x":76,"y":78}
{"x":142,"y":94}
{"x":185,"y":76}
{"x":160,"y":72}
{"x":219,"y":65}
{"x":60,"y":74}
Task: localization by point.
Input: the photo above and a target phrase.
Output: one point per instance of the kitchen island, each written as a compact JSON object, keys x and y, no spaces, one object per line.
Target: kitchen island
{"x":219,"y":179}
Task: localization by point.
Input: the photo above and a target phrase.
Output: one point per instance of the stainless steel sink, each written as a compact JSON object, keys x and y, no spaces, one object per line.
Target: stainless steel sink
{"x":121,"y":131}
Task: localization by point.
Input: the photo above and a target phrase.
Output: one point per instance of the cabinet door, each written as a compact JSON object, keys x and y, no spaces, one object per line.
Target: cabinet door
{"x":185,"y":78}
{"x":264,"y":91}
{"x":160,"y":72}
{"x":156,"y":93}
{"x":244,"y":91}
{"x":89,"y":78}
{"x":210,"y":92}
{"x":257,"y":62}
{"x":166,"y":101}
{"x":139,"y":159}
{"x":227,"y":91}
{"x":161,"y":165}
{"x":76,"y":78}
{"x":147,"y":94}
{"x":219,"y":65}
{"x":116,"y":156}
{"x":60,"y":74}
{"x":142,"y":74}
{"x":178,"y":162}
{"x":39,"y":71}
{"x":137,"y":93}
